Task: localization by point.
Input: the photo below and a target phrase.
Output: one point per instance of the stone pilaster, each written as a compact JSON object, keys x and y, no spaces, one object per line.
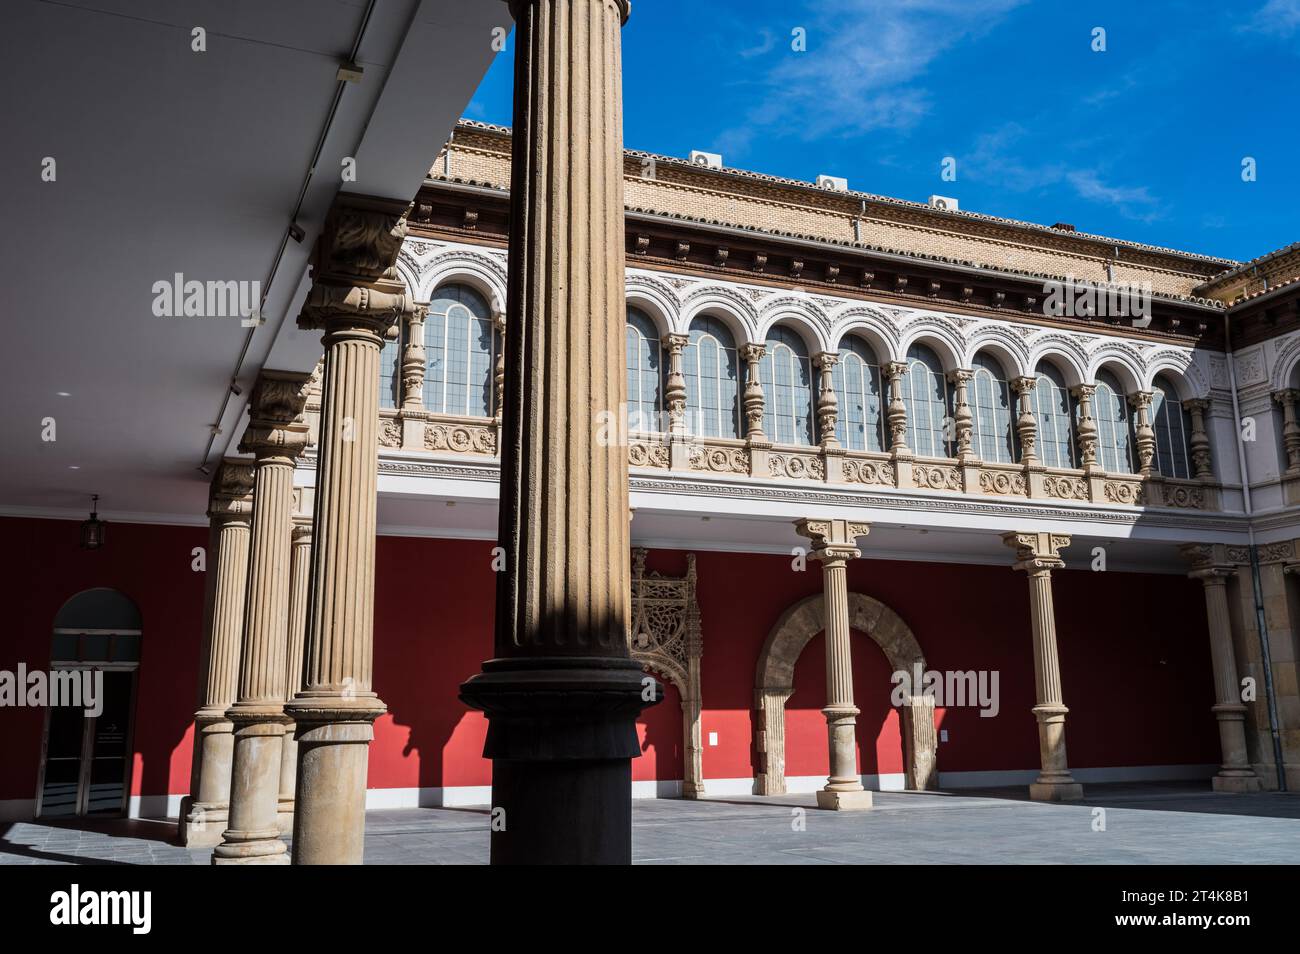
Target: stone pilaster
{"x":752,"y":355}
{"x":962,"y":419}
{"x":896,"y":414}
{"x":562,"y":695}
{"x":1026,"y":424}
{"x":675,"y":402}
{"x":1290,"y":429}
{"x":299,"y":589}
{"x":1208,"y":566}
{"x":355,"y":297}
{"x":834,"y":545}
{"x":230,"y":508}
{"x":414,"y":361}
{"x":1199,"y":441}
{"x":276,"y":436}
{"x":1086,"y":430}
{"x":828,"y":404}
{"x":1145,"y":436}
{"x":1038,"y":554}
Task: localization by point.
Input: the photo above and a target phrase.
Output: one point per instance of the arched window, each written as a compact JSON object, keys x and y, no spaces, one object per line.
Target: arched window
{"x":460,"y":346}
{"x":859,"y":425}
{"x":1054,"y":412}
{"x":1114,"y":425}
{"x":1173,"y":427}
{"x":786,"y":374}
{"x":710,"y":367}
{"x":644,"y":372}
{"x":990,"y":404}
{"x":929,"y":404}
{"x":390,"y":371}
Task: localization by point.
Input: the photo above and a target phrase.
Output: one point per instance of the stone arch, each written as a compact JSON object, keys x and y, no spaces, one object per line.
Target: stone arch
{"x":774,"y":684}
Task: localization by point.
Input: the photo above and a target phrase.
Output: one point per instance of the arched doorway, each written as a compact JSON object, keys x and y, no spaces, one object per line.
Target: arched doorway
{"x":774,"y":684}
{"x":86,"y":754}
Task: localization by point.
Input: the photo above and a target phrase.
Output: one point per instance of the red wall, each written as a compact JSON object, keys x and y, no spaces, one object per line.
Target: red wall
{"x":1134,"y":652}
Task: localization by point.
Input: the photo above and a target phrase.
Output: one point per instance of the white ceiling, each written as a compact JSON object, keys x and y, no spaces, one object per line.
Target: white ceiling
{"x":170,"y":160}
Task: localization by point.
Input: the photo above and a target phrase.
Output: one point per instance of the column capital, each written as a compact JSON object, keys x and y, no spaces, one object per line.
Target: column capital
{"x":355,"y":286}
{"x":825,"y":360}
{"x":752,"y":352}
{"x":1208,"y":561}
{"x":231,"y":493}
{"x":833,"y":539}
{"x":1141,"y":399}
{"x":677,"y":343}
{"x":1037,"y":550}
{"x":961,"y":375}
{"x":624,"y":8}
{"x":1023,"y":384}
{"x":894,"y":369}
{"x":276,"y":428}
{"x":1284,"y":396}
{"x":1197,"y":404}
{"x":1084,"y":391}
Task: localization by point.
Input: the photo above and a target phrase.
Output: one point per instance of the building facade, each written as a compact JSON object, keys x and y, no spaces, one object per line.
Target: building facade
{"x":865,"y":437}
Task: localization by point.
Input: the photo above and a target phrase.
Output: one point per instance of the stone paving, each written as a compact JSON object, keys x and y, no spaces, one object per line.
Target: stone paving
{"x":1162,"y":824}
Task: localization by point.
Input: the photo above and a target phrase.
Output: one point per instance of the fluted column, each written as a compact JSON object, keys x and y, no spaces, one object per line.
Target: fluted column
{"x":1290,"y":428}
{"x":1026,"y":425}
{"x":896,"y":416}
{"x":562,"y":695}
{"x":299,"y":589}
{"x":752,"y":355}
{"x":230,"y":509}
{"x":276,"y":435}
{"x":1145,"y":436}
{"x":963,"y":420}
{"x":828,"y":405}
{"x":1087,"y":426}
{"x":833,"y":545}
{"x":355,"y":297}
{"x":1038,"y":554}
{"x":1235,"y":774}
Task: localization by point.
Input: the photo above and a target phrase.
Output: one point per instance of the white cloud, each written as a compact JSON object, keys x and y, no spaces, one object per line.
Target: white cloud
{"x":1277,"y":18}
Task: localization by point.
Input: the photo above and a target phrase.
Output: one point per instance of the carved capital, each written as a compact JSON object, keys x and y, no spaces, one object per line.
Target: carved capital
{"x":231,"y":494}
{"x":1037,"y":551}
{"x":833,"y":539}
{"x":752,"y":353}
{"x":275,"y":416}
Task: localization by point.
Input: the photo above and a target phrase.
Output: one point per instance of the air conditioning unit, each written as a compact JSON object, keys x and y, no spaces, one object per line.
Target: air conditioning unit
{"x":834,"y":183}
{"x":943,"y":203}
{"x":710,"y":160}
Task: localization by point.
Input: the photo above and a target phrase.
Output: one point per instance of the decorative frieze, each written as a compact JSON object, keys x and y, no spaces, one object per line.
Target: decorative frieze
{"x":796,"y":466}
{"x":719,"y":460}
{"x":855,"y":471}
{"x":936,"y":477}
{"x":1002,"y":482}
{"x":460,"y":438}
{"x":648,"y":454}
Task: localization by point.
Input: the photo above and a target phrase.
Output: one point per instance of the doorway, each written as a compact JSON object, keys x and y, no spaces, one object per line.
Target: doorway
{"x":85,"y":759}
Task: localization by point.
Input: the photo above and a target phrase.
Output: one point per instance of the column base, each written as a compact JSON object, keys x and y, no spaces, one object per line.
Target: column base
{"x":284,"y":816}
{"x":1055,"y":791}
{"x":561,"y":736}
{"x":257,"y":850}
{"x":202,"y":825}
{"x":1237,"y":784}
{"x":859,"y":801}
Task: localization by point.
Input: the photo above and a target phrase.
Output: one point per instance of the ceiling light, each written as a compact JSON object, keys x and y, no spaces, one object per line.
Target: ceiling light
{"x":92,"y":530}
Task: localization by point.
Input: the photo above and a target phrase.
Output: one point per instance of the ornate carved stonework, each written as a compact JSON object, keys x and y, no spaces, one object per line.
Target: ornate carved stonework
{"x":1002,"y":482}
{"x":460,"y":438}
{"x":722,"y":460}
{"x":797,"y":466}
{"x":867,"y":472}
{"x":936,"y":477}
{"x":390,"y":433}
{"x":647,"y":454}
{"x":1177,"y":495}
{"x":1124,"y":492}
{"x":1067,"y":488}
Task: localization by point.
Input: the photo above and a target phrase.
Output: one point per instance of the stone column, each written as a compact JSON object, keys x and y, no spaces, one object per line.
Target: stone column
{"x":299,"y":588}
{"x":833,"y":544}
{"x":828,"y":404}
{"x":276,"y":435}
{"x":1290,"y":429}
{"x":355,"y":297}
{"x":1026,"y":425}
{"x":499,"y":372}
{"x":896,"y":416}
{"x":1145,"y":436}
{"x":1086,"y":429}
{"x":752,"y":355}
{"x":1235,"y":774}
{"x":962,"y":419}
{"x":675,"y":402}
{"x":1038,"y":554}
{"x":562,"y":695}
{"x":230,"y":509}
{"x":1199,"y":441}
{"x":414,"y":361}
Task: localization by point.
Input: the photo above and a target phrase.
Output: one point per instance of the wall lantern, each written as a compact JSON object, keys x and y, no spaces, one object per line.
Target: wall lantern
{"x":92,"y":530}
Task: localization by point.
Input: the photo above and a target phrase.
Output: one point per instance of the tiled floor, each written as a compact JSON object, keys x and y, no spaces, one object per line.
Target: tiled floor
{"x":1169,"y":824}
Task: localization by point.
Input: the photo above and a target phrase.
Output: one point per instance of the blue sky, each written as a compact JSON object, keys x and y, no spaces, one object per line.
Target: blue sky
{"x":1144,"y":141}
